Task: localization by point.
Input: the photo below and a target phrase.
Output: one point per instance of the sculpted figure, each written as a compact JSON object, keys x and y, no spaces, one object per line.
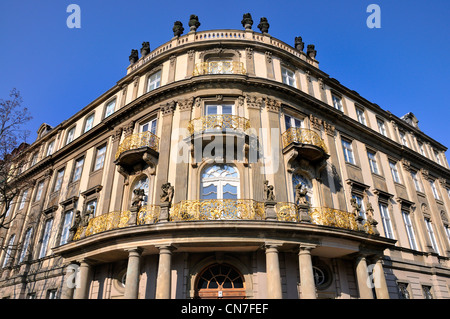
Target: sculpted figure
{"x":268,"y":192}
{"x":167,"y":195}
{"x":145,"y":48}
{"x":177,"y":28}
{"x":299,"y":44}
{"x":193,"y":22}
{"x":300,"y":194}
{"x":264,"y":25}
{"x":247,"y":21}
{"x":134,"y":56}
{"x":138,"y":198}
{"x":76,"y":224}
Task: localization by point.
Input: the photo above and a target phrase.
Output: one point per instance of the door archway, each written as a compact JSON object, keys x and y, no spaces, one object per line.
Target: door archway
{"x":219,"y":281}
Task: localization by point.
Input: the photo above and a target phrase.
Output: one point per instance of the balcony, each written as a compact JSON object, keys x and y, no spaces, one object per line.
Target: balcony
{"x":307,"y":143}
{"x":218,"y":122}
{"x":218,"y":209}
{"x":137,"y":151}
{"x":228,"y":133}
{"x":148,"y":214}
{"x":219,"y":67}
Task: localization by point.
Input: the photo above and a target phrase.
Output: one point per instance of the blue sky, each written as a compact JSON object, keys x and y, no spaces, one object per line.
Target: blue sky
{"x":403,"y":67}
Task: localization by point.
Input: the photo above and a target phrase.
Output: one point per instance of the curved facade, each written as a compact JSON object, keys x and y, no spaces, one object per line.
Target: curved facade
{"x":226,"y":164}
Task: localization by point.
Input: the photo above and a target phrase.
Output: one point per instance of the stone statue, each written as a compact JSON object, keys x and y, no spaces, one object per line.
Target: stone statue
{"x":299,"y":44}
{"x":371,"y":220}
{"x":268,"y":192}
{"x":300,"y":194}
{"x":134,"y":56}
{"x":177,"y":28}
{"x":76,"y":224}
{"x":193,"y":22}
{"x":247,"y":21}
{"x":310,"y":51}
{"x":145,"y":50}
{"x":263,"y":25}
{"x":167,"y":195}
{"x":138,"y":198}
{"x":356,"y":207}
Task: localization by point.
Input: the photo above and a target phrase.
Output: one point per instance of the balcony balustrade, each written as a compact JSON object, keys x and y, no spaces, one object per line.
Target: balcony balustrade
{"x":136,"y":141}
{"x":222,"y":209}
{"x":219,"y":67}
{"x":220,"y":122}
{"x":307,"y":142}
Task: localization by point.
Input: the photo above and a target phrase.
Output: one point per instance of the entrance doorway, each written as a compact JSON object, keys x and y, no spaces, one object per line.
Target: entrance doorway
{"x":219,"y":281}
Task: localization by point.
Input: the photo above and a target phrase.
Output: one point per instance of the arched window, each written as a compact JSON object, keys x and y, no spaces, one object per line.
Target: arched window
{"x":141,"y":183}
{"x":301,"y":179}
{"x":220,"y":181}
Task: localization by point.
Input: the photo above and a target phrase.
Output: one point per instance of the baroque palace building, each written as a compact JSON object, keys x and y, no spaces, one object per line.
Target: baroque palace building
{"x":226,"y":164}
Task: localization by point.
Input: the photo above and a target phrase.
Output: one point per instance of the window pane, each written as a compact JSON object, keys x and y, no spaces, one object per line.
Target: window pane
{"x":78,"y":169}
{"x":110,"y":108}
{"x":46,"y":238}
{"x":209,"y":192}
{"x":227,"y":109}
{"x":89,"y":123}
{"x":66,"y":227}
{"x":100,"y":158}
{"x":154,"y":81}
{"x":211,"y":109}
{"x":229,"y":191}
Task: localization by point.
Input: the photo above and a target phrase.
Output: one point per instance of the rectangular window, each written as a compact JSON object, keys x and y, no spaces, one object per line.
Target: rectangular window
{"x":381,"y":127}
{"x":360,"y":116}
{"x":373,"y":162}
{"x":50,"y":148}
{"x":421,"y":149}
{"x":288,"y":76}
{"x":34,"y":159}
{"x":51,"y":294}
{"x":337,"y":102}
{"x":78,"y":169}
{"x":40,"y":188}
{"x":386,"y":219}
{"x":89,"y":123}
{"x":403,"y":139}
{"x":110,"y":107}
{"x":438,"y":160}
{"x":348,"y":152}
{"x":100,"y":157}
{"x":394,"y":172}
{"x":70,"y":135}
{"x":92,"y":205}
{"x":46,"y":238}
{"x":434,"y":190}
{"x":23,"y":199}
{"x":154,"y":81}
{"x":59,"y":180}
{"x":149,"y":126}
{"x":427,"y":292}
{"x":430,"y":231}
{"x":26,"y":243}
{"x":224,"y":109}
{"x":447,"y":231}
{"x":290,"y":121}
{"x":66,"y":226}
{"x":416,"y":181}
{"x":8,"y":250}
{"x":409,"y":230}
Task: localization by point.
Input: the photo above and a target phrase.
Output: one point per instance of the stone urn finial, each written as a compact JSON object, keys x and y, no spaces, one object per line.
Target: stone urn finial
{"x":247,"y":21}
{"x":193,"y":23}
{"x":310,"y":51}
{"x":177,"y":28}
{"x":134,"y":56}
{"x":263,"y":25}
{"x":145,"y":50}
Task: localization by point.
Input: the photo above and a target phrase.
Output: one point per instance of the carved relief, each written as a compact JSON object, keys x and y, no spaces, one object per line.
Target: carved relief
{"x":253,"y":102}
{"x":272,"y":104}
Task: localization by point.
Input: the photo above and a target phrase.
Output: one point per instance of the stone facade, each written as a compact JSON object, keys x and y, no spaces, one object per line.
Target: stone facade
{"x":203,"y":212}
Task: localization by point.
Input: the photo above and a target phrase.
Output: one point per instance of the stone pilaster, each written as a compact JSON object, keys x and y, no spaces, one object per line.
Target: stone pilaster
{"x":133,"y":274}
{"x":163,"y":281}
{"x":273,"y":272}
{"x":84,"y":283}
{"x":307,"y":283}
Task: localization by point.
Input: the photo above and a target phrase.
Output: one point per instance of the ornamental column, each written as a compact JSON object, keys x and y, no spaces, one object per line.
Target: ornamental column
{"x":307,"y":283}
{"x":163,"y":281}
{"x":362,"y":277}
{"x":133,"y":274}
{"x":381,"y":289}
{"x":273,"y":272}
{"x":82,"y":289}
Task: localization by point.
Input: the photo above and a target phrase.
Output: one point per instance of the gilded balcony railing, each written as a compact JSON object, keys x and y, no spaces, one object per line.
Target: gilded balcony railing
{"x":148,"y":214}
{"x":218,"y":121}
{"x":217,"y":209}
{"x":304,"y":136}
{"x":332,"y":217}
{"x":287,"y":212}
{"x":135,"y":141}
{"x":219,"y":67}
